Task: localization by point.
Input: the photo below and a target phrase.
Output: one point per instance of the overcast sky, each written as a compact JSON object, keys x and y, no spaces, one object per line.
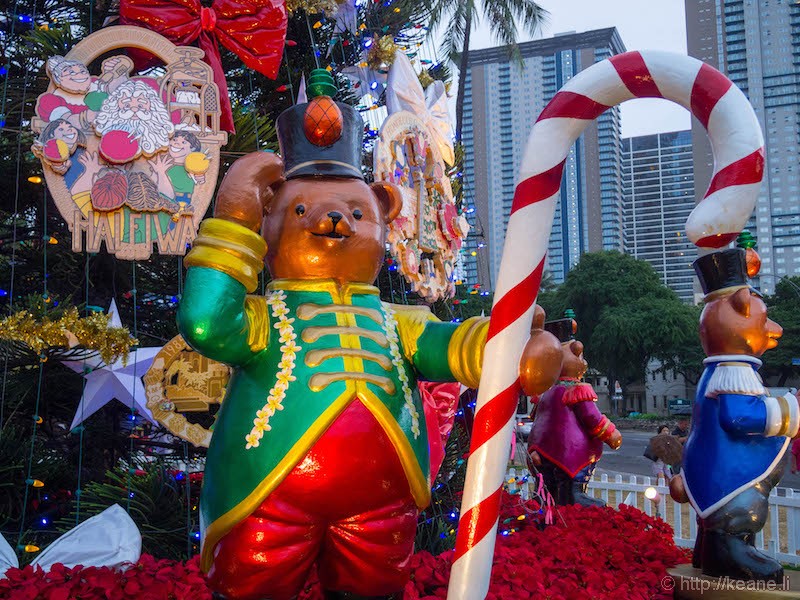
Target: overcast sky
{"x":643,"y":25}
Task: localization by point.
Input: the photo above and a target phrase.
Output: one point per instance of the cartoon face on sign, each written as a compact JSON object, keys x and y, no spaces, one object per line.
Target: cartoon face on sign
{"x":131,"y":160}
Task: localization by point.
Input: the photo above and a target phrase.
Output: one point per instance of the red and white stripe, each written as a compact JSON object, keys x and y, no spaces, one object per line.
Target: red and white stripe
{"x":738,"y":150}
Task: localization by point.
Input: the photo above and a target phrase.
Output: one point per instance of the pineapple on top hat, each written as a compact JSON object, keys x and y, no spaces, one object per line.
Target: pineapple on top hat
{"x":321,"y":138}
{"x":564,"y":329}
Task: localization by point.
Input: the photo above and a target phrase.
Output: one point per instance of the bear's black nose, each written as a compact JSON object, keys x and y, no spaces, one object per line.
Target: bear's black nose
{"x":335,"y":217}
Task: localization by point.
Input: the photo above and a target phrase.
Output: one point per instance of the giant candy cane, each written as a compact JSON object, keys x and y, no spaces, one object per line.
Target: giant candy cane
{"x":737,"y":145}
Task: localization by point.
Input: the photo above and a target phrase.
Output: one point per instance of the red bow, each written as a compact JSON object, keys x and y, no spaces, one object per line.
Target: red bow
{"x":254,"y":30}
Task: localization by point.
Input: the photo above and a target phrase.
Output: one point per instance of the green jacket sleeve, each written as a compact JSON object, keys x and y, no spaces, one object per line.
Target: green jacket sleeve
{"x":443,"y":351}
{"x":215,"y":316}
{"x":212,"y":316}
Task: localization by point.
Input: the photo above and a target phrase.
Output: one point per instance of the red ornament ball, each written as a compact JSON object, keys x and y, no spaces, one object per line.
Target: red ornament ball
{"x":323,"y":121}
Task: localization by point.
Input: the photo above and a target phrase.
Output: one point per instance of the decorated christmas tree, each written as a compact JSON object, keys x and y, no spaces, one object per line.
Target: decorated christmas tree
{"x":116,"y":454}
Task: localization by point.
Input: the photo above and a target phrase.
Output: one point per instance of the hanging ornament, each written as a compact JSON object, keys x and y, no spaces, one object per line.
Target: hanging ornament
{"x":302,"y":97}
{"x":425,"y":239}
{"x":184,"y":389}
{"x":404,"y":93}
{"x":415,"y":142}
{"x":130,"y":176}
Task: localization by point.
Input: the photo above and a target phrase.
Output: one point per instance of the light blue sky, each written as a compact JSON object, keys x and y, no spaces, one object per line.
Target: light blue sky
{"x":643,"y":25}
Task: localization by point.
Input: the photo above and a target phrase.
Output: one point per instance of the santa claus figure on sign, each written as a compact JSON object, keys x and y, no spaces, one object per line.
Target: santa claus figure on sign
{"x":133,"y":121}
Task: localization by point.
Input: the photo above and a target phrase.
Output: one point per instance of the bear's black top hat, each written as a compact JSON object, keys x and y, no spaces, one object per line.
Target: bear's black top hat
{"x":563,"y":329}
{"x":722,"y":269}
{"x":321,"y":138}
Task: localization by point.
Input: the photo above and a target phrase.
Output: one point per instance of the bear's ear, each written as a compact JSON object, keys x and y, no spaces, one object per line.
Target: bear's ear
{"x":390,"y":198}
{"x":269,"y":193}
{"x":539,"y":317}
{"x":247,"y":189}
{"x":741,"y":302}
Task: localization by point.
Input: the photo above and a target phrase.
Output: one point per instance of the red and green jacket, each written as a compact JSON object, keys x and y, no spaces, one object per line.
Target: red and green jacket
{"x":301,"y":355}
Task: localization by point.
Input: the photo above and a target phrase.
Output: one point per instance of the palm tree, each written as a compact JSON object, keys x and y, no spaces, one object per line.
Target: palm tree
{"x":460,"y":16}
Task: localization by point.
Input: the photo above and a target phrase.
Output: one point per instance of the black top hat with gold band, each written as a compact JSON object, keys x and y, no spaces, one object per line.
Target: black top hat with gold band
{"x":321,"y":138}
{"x":721,"y":270}
{"x":563,"y":329}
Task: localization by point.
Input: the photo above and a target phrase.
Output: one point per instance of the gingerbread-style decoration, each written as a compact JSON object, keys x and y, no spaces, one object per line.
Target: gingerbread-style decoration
{"x":184,"y":389}
{"x":426,"y":238}
{"x":322,"y":450}
{"x":568,"y":432}
{"x":131,"y":161}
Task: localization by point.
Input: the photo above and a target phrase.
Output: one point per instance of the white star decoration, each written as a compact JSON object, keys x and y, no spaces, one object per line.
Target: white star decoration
{"x":115,"y":381}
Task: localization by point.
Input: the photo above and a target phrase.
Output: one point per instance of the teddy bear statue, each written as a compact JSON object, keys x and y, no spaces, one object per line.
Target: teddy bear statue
{"x":320,"y":452}
{"x":568,"y":432}
{"x":736,"y":450}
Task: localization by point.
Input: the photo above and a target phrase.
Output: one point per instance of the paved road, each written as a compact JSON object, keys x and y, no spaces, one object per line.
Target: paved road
{"x":630,"y":460}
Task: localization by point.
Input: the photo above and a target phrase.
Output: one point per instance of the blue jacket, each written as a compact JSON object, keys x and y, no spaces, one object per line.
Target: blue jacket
{"x":732,"y":444}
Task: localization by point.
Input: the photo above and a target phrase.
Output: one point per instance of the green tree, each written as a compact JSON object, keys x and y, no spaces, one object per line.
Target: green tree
{"x":459,"y":17}
{"x":626,"y":316}
{"x":784,"y":309}
{"x":687,"y":356}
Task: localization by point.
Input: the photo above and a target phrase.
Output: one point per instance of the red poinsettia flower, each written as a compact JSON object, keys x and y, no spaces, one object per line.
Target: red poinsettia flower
{"x":598,"y":553}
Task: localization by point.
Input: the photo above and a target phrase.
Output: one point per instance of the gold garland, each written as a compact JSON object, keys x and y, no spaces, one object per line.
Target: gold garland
{"x":69,"y":330}
{"x":425,"y":78}
{"x":314,"y":7}
{"x":381,"y":53}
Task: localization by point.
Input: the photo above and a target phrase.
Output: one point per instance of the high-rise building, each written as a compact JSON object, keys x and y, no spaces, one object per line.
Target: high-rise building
{"x":757,"y":44}
{"x":658,"y":191}
{"x":502,"y":101}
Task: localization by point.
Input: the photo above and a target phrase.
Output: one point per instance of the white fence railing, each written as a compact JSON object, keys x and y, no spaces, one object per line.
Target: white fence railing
{"x":779,"y":538}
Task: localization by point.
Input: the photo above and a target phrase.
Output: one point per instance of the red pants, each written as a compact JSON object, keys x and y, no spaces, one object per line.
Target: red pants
{"x":347,"y":506}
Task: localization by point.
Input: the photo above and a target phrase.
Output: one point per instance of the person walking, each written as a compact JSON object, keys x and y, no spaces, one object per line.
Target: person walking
{"x":664,"y":450}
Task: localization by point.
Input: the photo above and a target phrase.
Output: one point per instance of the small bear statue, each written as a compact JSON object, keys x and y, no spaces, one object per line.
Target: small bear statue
{"x":568,"y":432}
{"x":736,"y":450}
{"x":320,"y":452}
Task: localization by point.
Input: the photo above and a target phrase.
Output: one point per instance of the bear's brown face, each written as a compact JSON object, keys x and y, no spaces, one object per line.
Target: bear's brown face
{"x":737,"y":324}
{"x":573,"y":364}
{"x":328,"y":229}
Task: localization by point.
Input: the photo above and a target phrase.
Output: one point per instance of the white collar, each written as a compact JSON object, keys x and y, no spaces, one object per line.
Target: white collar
{"x":718,"y":358}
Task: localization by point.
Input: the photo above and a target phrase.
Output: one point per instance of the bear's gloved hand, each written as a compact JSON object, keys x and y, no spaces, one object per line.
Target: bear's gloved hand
{"x":542,"y":358}
{"x":247,"y":189}
{"x":614,"y":441}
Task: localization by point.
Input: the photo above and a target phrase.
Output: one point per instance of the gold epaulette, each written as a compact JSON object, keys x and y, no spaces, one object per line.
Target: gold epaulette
{"x":411,"y":321}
